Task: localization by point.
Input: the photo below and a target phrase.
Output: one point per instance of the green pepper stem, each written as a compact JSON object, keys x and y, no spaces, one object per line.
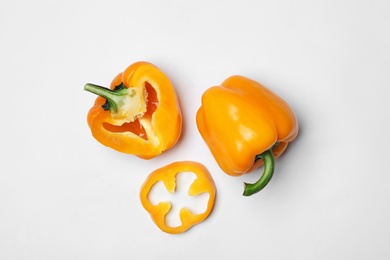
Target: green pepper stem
{"x":114,"y":97}
{"x":269,"y":166}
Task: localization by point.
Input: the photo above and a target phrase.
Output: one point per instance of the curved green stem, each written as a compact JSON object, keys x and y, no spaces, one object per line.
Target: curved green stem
{"x":114,"y":97}
{"x":269,"y":165}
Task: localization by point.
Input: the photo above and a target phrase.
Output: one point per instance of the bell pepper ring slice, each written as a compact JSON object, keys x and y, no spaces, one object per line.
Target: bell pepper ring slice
{"x":167,"y":174}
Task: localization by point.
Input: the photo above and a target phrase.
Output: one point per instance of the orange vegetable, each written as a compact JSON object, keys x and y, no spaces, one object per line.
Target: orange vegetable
{"x":139,"y":114}
{"x":245,"y":125}
{"x":202,"y":184}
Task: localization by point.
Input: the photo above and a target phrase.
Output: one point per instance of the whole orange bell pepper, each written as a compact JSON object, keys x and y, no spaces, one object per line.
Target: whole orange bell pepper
{"x":245,"y":125}
{"x":139,"y":114}
{"x":167,"y":174}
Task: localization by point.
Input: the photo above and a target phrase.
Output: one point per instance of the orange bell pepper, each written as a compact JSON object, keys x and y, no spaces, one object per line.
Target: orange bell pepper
{"x":139,"y":114}
{"x":245,"y":125}
{"x":202,"y":184}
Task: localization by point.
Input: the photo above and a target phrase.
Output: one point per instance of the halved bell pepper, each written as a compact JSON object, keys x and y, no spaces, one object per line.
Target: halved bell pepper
{"x":167,"y":174}
{"x":139,"y":114}
{"x":245,"y":125}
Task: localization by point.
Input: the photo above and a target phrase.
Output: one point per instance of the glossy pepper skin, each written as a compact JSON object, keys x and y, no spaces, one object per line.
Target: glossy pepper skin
{"x":167,"y":174}
{"x":245,"y":125}
{"x":139,"y":114}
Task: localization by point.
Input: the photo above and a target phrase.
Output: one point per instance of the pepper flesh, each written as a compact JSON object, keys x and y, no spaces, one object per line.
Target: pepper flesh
{"x":242,"y":122}
{"x":139,"y":114}
{"x":167,"y":174}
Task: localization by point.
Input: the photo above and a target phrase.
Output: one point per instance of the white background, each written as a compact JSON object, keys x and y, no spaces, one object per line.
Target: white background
{"x":65,"y":196}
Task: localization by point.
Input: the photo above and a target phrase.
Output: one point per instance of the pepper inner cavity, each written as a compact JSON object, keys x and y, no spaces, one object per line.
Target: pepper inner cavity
{"x":135,"y":126}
